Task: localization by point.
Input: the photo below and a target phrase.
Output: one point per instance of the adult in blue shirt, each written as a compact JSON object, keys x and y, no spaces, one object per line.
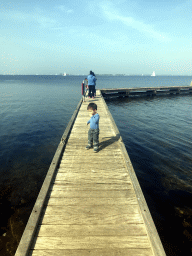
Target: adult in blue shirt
{"x":95,"y":84}
{"x":91,"y":83}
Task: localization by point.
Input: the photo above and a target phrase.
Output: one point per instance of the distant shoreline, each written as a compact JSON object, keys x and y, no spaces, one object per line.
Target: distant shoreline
{"x":96,"y":75}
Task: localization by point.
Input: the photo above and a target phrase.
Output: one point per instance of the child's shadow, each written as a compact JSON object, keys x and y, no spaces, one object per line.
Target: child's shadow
{"x":108,"y":142}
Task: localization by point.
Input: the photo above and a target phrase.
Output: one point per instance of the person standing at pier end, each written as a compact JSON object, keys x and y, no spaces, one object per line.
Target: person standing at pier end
{"x":93,"y":134}
{"x":95,"y":84}
{"x":91,"y":83}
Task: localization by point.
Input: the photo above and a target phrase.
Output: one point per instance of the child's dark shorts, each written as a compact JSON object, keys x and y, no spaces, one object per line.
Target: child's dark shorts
{"x":93,"y":137}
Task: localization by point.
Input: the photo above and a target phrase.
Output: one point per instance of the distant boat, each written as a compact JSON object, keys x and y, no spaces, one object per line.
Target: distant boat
{"x":153,"y":74}
{"x":64,"y":74}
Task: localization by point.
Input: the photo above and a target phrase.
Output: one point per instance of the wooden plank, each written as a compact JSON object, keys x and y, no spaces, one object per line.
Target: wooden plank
{"x":92,"y":163}
{"x":77,"y":147}
{"x":82,"y":140}
{"x":85,"y":169}
{"x":125,"y":229}
{"x":91,"y":194}
{"x":109,"y":178}
{"x":107,"y":152}
{"x":87,"y":211}
{"x":109,"y":144}
{"x":96,"y":159}
{"x":83,"y":135}
{"x":96,"y":219}
{"x":103,"y":145}
{"x":92,"y":242}
{"x":81,"y":149}
{"x":71,"y":148}
{"x":131,"y":199}
{"x":93,"y":179}
{"x":82,"y":180}
{"x":84,"y":152}
{"x":83,"y":155}
{"x":89,"y":167}
{"x":100,"y":160}
{"x":61,"y":185}
{"x":94,"y":252}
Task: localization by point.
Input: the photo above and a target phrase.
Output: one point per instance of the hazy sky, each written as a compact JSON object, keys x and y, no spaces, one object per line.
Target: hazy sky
{"x":113,"y":37}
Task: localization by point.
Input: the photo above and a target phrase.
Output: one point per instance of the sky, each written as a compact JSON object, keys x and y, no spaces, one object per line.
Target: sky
{"x":108,"y":37}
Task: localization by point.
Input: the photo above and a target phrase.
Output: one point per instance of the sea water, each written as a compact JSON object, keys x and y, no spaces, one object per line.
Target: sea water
{"x":157,"y":132}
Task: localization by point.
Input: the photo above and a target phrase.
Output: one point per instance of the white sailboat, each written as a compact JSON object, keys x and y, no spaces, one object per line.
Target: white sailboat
{"x":153,"y":74}
{"x":64,"y":74}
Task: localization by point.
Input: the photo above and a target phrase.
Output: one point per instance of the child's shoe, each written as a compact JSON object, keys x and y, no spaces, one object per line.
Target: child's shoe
{"x":92,"y":97}
{"x":95,"y":149}
{"x":88,"y":146}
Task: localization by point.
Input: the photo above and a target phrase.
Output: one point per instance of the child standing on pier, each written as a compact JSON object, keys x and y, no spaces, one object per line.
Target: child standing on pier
{"x":93,"y":134}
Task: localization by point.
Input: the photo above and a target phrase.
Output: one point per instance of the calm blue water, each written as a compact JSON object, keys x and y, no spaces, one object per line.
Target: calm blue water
{"x":157,"y":133}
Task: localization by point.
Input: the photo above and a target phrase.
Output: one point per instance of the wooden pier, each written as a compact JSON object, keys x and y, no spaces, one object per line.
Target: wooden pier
{"x":90,"y":203}
{"x":146,"y":91}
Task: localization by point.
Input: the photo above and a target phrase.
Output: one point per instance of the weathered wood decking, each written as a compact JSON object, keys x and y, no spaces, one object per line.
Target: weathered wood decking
{"x":94,"y":204}
{"x":146,"y":91}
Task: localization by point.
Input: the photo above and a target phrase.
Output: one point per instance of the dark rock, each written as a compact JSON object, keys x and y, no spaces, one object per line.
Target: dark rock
{"x":23,"y":201}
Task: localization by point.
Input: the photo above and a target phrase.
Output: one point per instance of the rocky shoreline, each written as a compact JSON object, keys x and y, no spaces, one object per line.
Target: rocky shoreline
{"x":14,"y":213}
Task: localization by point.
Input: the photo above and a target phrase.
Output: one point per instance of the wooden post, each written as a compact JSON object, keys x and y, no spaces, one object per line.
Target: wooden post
{"x":127,"y":93}
{"x":83,"y":91}
{"x":151,"y":92}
